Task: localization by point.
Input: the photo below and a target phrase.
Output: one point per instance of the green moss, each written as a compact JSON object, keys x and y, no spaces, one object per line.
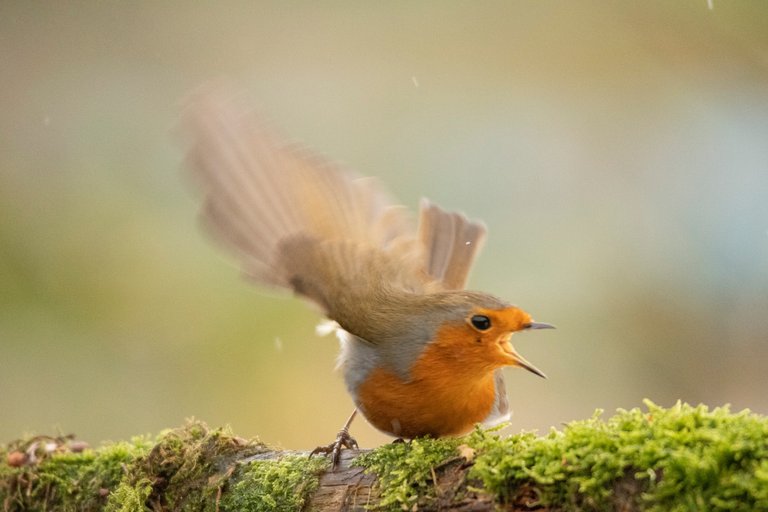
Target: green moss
{"x":406,"y":470}
{"x":64,"y":480}
{"x":268,"y":485}
{"x":130,"y":497}
{"x":188,"y":466}
{"x":184,"y":469}
{"x":677,"y":459}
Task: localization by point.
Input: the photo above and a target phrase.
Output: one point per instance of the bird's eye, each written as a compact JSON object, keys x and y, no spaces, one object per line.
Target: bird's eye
{"x":481,"y":322}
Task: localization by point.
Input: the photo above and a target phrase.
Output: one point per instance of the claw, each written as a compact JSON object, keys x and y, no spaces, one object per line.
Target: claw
{"x":343,"y":440}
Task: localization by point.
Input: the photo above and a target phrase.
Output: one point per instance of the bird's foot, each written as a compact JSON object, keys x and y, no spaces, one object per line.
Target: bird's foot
{"x":343,"y":440}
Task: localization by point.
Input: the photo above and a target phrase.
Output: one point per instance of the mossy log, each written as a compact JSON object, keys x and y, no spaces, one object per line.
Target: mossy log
{"x":680,"y":458}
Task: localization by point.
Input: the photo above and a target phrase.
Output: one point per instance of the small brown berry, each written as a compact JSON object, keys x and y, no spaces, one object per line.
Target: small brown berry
{"x":17,"y":459}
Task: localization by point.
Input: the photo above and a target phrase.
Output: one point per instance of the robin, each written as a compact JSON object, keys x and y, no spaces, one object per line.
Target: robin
{"x":420,"y":355}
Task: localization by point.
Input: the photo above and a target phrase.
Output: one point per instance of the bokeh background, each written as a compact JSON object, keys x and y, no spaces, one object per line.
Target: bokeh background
{"x":618,"y":152}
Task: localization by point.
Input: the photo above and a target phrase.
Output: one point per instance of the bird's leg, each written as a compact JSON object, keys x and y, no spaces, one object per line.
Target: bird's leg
{"x":343,"y":440}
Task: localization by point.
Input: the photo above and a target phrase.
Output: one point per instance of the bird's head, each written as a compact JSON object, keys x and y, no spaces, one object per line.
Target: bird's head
{"x":481,"y":338}
{"x":491,"y":330}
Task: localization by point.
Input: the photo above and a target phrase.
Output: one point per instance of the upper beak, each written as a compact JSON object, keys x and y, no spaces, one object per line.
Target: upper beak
{"x":538,"y":325}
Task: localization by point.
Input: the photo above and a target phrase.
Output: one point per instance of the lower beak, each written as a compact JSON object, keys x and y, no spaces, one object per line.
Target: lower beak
{"x":522,"y":362}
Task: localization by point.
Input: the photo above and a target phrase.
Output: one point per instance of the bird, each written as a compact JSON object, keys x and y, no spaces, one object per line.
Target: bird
{"x":420,"y":354}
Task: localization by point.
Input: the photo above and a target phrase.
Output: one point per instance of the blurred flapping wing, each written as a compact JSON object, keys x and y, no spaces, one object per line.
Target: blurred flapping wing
{"x":295,"y":221}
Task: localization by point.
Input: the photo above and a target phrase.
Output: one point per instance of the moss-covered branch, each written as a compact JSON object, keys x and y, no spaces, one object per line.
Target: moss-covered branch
{"x":681,"y":458}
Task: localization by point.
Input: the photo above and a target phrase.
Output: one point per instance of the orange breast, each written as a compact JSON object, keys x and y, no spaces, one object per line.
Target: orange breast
{"x":443,"y":397}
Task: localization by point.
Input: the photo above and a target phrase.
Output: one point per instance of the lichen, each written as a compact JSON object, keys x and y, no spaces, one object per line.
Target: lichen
{"x":274,"y":485}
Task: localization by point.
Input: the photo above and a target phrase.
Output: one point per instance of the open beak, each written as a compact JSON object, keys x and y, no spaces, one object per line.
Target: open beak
{"x":522,"y":362}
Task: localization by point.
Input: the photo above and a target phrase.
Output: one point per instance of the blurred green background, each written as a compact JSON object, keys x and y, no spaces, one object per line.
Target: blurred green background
{"x":618,"y":152}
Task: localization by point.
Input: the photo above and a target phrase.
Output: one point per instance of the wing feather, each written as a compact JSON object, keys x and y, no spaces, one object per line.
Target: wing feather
{"x":500,"y":411}
{"x":295,"y":221}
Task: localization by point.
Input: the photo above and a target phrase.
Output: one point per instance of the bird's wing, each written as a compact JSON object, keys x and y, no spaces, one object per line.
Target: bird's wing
{"x":450,"y":242}
{"x":295,"y":221}
{"x":264,"y":198}
{"x":500,"y":411}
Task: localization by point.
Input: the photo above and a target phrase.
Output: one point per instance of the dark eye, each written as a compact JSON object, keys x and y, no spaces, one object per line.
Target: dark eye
{"x":481,"y":322}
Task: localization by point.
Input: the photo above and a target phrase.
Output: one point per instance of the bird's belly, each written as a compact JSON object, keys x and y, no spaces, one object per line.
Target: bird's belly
{"x":423,"y":407}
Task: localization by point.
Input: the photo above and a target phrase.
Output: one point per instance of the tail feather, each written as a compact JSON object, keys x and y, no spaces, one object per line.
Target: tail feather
{"x":450,"y":243}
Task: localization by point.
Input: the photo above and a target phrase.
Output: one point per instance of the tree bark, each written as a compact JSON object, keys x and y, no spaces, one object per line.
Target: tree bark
{"x":347,"y":488}
{"x":350,"y":489}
